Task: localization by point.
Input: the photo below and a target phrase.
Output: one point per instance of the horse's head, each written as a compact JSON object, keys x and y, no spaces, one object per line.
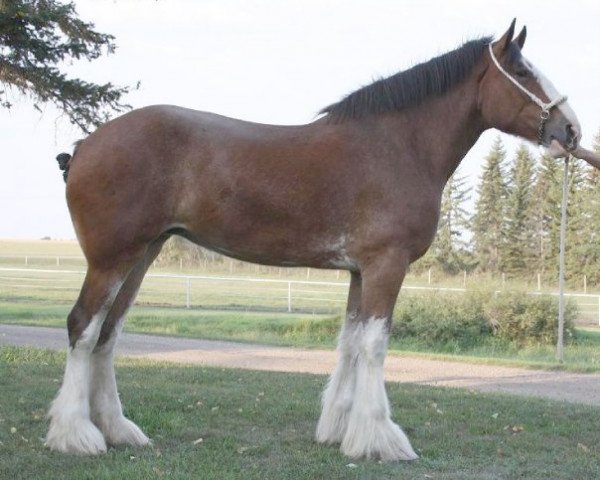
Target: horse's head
{"x":516,"y":98}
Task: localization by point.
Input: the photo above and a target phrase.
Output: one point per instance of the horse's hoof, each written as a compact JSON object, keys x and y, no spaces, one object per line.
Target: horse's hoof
{"x":381,"y":439}
{"x":77,"y":437}
{"x":123,"y":431}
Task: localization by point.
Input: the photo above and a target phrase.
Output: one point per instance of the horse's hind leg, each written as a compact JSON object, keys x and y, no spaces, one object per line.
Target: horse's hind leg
{"x":71,"y":429}
{"x":339,"y":393}
{"x":370,"y":431}
{"x":106,"y":409}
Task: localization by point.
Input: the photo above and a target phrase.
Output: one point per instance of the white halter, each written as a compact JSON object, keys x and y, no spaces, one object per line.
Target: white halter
{"x":546,"y":107}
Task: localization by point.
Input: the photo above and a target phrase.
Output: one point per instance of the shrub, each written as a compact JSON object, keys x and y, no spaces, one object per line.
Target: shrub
{"x":528,"y":319}
{"x":441,"y":320}
{"x":462,"y":322}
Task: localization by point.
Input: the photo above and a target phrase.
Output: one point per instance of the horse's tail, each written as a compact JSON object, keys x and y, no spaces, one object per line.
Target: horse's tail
{"x":64,"y":160}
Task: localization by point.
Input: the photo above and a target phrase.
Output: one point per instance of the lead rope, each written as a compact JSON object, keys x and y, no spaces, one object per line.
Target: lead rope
{"x":546,"y":107}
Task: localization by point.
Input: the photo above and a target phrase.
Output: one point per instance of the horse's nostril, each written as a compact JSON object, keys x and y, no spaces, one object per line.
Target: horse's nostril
{"x":572,"y":131}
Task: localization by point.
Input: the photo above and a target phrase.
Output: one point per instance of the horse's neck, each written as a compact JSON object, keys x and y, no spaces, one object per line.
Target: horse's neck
{"x":441,"y":131}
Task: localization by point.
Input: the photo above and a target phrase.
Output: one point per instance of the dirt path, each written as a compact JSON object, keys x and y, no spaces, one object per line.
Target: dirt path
{"x":572,"y":387}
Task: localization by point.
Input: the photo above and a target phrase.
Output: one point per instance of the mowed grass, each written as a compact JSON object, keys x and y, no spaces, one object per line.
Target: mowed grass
{"x":257,"y":425}
{"x":305,"y":330}
{"x":259,"y":327}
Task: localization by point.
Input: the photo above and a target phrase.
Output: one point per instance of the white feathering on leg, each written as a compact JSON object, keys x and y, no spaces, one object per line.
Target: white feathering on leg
{"x":106,"y":409}
{"x":339,"y":394}
{"x":371,"y":432}
{"x":71,"y":430}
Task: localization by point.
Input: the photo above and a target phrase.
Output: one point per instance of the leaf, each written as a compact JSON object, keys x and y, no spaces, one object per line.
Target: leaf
{"x":581,"y":446}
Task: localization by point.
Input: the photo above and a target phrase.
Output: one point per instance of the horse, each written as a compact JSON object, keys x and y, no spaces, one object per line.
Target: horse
{"x":359,"y":188}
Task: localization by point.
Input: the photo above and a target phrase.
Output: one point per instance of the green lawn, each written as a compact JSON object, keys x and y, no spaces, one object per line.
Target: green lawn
{"x":250,"y":430}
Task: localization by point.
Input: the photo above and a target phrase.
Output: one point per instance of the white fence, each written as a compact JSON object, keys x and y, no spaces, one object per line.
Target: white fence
{"x":226,"y":292}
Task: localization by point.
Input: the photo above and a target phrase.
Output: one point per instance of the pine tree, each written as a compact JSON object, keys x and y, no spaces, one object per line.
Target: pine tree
{"x":583,"y":240}
{"x":450,"y":249}
{"x":38,"y":37}
{"x":546,"y":216}
{"x":578,"y":227}
{"x":488,"y":221}
{"x":520,"y":234}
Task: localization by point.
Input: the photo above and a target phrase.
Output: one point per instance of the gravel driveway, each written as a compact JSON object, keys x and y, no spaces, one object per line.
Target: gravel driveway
{"x":571,"y":387}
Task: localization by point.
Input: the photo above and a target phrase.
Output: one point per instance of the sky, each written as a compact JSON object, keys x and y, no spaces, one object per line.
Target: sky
{"x":279,"y":62}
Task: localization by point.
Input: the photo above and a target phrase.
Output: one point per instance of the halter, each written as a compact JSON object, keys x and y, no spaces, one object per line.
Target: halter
{"x":546,"y":107}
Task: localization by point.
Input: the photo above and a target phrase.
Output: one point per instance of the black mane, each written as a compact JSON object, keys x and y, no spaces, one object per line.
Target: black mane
{"x":412,"y":86}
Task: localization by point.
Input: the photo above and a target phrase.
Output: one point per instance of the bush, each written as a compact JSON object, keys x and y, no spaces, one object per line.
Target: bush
{"x":528,"y":319}
{"x":462,"y":322}
{"x":441,"y":320}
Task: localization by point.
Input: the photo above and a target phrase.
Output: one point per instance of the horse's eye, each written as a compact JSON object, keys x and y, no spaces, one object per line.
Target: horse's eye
{"x":522,"y":72}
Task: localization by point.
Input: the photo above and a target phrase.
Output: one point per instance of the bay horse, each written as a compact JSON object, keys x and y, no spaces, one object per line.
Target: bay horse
{"x":357,"y":189}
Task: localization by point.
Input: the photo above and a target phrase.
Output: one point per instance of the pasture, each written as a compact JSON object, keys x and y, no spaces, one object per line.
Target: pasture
{"x":42,"y":293}
{"x":229,"y":424}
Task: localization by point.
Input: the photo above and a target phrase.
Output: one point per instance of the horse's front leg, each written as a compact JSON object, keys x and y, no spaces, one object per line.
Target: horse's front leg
{"x":370,"y":431}
{"x":339,"y":393}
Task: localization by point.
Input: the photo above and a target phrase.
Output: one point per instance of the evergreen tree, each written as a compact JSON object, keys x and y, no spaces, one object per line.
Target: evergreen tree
{"x":38,"y":37}
{"x":488,"y":220}
{"x":520,"y":234}
{"x":450,"y":249}
{"x":546,"y":216}
{"x":583,"y":240}
{"x":578,"y":226}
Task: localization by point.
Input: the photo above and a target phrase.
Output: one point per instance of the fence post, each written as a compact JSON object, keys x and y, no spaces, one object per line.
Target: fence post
{"x":561,"y":263}
{"x":26,"y":260}
{"x":585,"y":284}
{"x":57,"y":261}
{"x":429,"y":277}
{"x":290,"y":297}
{"x":539,"y":278}
{"x":187,"y":292}
{"x":464,"y":278}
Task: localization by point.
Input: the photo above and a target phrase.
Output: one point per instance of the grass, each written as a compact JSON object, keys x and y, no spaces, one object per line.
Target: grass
{"x":309,"y":331}
{"x":250,"y":430}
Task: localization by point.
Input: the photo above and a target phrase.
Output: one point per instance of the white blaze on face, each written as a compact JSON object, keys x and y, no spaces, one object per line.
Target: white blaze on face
{"x":551,"y":92}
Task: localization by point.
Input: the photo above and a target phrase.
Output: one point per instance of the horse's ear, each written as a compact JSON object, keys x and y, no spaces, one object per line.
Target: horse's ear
{"x":521,"y":38}
{"x":504,"y":42}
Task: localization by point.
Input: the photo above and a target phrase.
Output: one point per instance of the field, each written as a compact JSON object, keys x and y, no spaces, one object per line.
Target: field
{"x":277,"y":307}
{"x":228,"y":424}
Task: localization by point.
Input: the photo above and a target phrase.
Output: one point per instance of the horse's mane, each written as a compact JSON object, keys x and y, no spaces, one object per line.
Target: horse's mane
{"x":410,"y":87}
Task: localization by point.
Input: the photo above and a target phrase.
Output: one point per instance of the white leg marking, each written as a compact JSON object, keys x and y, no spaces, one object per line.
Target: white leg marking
{"x":71,"y":430}
{"x":106,"y":410}
{"x":370,"y":431}
{"x":339,"y":393}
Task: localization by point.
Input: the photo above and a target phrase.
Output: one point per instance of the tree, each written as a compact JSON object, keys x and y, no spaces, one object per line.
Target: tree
{"x":488,"y":221}
{"x":180,"y":250}
{"x":36,"y":36}
{"x":583,"y":234}
{"x":546,"y":216}
{"x":520,"y":230}
{"x":449,"y":249}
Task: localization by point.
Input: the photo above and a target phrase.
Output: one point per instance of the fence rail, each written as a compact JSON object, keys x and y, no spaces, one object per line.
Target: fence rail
{"x":229,"y":291}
